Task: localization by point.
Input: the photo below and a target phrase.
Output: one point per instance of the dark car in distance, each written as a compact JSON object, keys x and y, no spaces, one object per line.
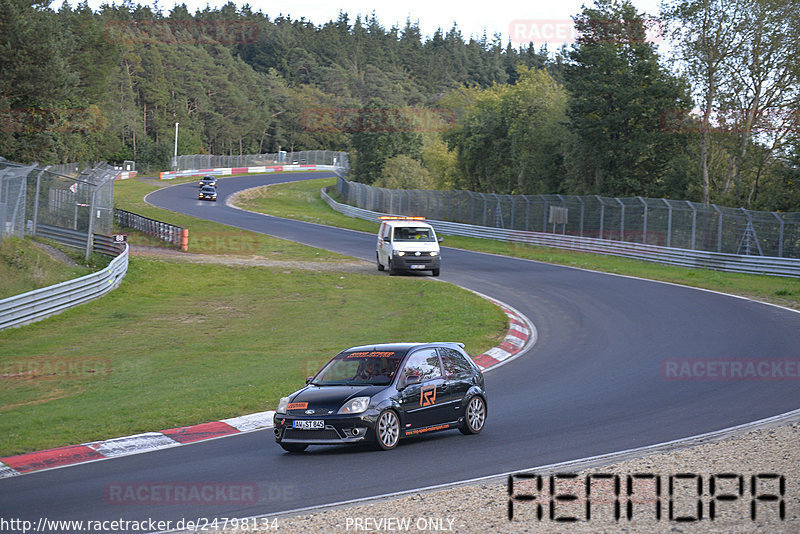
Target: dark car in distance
{"x":382,"y":393}
{"x":208,"y":192}
{"x":208,"y":180}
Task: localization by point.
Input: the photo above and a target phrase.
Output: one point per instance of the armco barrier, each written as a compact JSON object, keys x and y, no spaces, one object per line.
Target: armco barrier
{"x":162,"y":231}
{"x":671,"y":256}
{"x":41,"y":303}
{"x":227,"y":171}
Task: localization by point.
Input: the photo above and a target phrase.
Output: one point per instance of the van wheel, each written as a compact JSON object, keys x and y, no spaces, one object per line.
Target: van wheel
{"x":378,"y":259}
{"x":392,"y":270}
{"x":435,"y":272}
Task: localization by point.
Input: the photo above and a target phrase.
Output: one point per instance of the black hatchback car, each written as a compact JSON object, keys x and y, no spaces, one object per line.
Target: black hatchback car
{"x":381,"y":393}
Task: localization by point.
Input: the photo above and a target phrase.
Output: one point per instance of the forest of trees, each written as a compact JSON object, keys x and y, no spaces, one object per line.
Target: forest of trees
{"x":716,"y":121}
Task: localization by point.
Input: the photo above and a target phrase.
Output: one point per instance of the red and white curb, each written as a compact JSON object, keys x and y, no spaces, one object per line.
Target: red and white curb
{"x":520,"y":335}
{"x":116,"y":447}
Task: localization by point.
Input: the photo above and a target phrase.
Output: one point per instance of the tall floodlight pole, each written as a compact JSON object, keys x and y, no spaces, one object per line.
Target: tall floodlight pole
{"x":175,"y":157}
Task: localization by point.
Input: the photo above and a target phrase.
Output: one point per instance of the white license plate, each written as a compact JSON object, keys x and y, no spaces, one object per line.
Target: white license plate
{"x":417,"y":266}
{"x":315,"y":424}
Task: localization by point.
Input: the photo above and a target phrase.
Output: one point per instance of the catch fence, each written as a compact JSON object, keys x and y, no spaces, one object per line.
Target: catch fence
{"x":306,"y":157}
{"x":660,"y":222}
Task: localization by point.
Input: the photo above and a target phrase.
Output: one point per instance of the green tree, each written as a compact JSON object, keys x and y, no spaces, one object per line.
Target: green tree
{"x":379,"y":133}
{"x":619,"y":94}
{"x":404,"y":172}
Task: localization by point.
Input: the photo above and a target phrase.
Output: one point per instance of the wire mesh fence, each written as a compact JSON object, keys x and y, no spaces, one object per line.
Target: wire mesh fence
{"x":670,"y":223}
{"x":306,"y":157}
{"x":64,"y":196}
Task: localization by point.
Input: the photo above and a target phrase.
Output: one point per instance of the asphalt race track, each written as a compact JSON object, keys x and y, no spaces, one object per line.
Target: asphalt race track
{"x":593,"y":384}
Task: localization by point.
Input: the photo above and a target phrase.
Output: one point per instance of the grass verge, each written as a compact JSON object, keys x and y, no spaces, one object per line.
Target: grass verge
{"x":25,"y":267}
{"x":301,"y":200}
{"x":179,"y":344}
{"x":208,"y":237}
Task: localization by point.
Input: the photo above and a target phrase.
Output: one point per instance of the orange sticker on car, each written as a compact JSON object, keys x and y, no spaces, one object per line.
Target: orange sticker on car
{"x":427,"y":396}
{"x":297,"y":406}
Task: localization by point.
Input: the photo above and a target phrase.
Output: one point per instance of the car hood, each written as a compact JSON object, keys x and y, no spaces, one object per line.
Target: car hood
{"x":330,"y":397}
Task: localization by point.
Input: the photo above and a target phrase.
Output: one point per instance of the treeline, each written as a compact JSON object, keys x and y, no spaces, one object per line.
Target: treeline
{"x":607,"y":115}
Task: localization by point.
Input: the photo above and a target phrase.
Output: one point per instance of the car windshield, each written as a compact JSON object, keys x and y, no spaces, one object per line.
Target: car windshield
{"x":416,"y":233}
{"x":375,"y":368}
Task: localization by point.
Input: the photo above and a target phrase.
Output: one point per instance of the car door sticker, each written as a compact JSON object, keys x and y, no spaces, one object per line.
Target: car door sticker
{"x":427,"y":396}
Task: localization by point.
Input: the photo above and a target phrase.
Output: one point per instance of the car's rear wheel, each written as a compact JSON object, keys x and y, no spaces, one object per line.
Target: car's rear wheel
{"x":474,"y":416}
{"x":387,"y":430}
{"x":378,"y":259}
{"x":294,"y":447}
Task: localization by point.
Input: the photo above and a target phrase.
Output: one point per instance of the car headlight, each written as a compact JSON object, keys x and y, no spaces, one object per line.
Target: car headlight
{"x":284,"y":402}
{"x":434,"y":253}
{"x":355,"y":405}
{"x":401,"y":253}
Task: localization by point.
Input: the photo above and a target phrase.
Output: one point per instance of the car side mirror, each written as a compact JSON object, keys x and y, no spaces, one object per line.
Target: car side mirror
{"x":439,"y":239}
{"x":412,"y":379}
{"x":309,"y":379}
{"x":386,"y":239}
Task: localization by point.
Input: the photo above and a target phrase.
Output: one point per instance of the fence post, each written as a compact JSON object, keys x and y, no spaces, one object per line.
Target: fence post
{"x":90,"y":230}
{"x":581,"y":201}
{"x":694,"y":222}
{"x":669,"y":222}
{"x":719,"y":228}
{"x":644,"y":223}
{"x":621,"y":221}
{"x":544,"y":216}
{"x":780,"y":235}
{"x":602,"y":214}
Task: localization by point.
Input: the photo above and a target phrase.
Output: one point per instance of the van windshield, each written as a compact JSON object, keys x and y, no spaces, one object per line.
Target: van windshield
{"x":409,"y":233}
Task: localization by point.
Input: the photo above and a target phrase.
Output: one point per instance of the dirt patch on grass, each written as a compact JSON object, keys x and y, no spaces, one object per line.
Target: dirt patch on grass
{"x":353,"y":266}
{"x":56,"y":254}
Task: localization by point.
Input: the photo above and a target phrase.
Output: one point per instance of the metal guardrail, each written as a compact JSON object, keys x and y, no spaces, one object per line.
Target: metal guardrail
{"x":41,"y":303}
{"x":671,"y":256}
{"x":160,"y":230}
{"x":100,"y":243}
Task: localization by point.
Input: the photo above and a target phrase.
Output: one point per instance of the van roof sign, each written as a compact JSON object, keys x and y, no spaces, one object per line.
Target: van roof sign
{"x":400,"y":218}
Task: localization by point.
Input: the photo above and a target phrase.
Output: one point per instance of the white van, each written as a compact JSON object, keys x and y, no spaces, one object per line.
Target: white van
{"x":408,"y":243}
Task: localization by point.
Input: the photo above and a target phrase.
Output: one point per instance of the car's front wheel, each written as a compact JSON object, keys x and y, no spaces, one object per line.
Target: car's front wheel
{"x":387,"y":430}
{"x":294,"y":447}
{"x":474,"y":416}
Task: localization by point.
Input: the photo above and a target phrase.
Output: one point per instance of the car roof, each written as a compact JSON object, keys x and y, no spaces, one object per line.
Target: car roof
{"x":410,"y":223}
{"x":403,"y":347}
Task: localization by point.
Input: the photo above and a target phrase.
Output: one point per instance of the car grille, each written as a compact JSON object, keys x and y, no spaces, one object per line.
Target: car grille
{"x":310,"y":435}
{"x":425,"y":257}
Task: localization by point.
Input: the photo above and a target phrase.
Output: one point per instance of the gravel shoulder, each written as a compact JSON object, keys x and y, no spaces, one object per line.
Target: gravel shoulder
{"x":484,"y":507}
